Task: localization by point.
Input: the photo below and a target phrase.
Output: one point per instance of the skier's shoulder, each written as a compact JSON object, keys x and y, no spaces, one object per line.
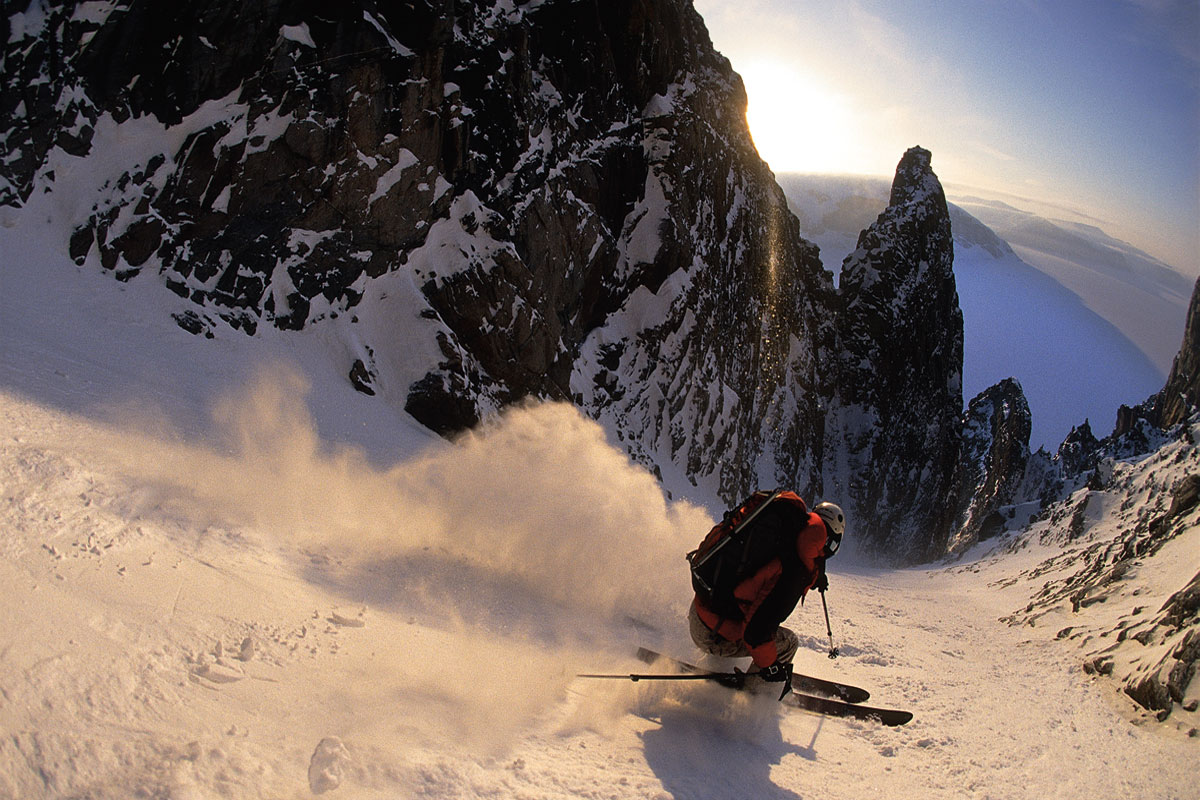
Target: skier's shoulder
{"x":793,"y":499}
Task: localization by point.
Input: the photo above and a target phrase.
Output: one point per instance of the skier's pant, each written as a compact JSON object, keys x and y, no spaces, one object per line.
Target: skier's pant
{"x":786,"y":642}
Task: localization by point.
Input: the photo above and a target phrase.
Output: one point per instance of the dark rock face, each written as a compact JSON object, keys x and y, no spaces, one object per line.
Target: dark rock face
{"x":35,"y":113}
{"x":1078,"y":452}
{"x":491,"y":201}
{"x":1181,"y":396}
{"x":1050,"y":477}
{"x":900,"y":387}
{"x":714,"y":366}
{"x":995,"y":451}
{"x":322,"y":145}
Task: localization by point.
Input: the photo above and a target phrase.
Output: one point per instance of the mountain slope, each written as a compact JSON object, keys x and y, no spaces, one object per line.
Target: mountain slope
{"x":1134,"y":291}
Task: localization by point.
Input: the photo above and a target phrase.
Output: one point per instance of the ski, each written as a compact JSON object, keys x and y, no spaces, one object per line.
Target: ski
{"x":806,"y":683}
{"x":836,"y":708}
{"x":733,"y":680}
{"x":807,"y":702}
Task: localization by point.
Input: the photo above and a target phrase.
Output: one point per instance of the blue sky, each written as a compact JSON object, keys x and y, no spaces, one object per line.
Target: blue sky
{"x":1091,"y":105}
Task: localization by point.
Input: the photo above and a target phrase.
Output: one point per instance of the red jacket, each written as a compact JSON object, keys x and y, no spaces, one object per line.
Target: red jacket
{"x":769,"y":596}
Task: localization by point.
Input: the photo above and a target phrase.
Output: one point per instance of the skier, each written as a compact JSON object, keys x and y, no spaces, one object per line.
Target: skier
{"x":750,"y":625}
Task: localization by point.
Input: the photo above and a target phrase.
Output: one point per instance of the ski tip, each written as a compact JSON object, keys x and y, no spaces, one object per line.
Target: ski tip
{"x":899,"y":718}
{"x":836,"y":708}
{"x":890,"y":716}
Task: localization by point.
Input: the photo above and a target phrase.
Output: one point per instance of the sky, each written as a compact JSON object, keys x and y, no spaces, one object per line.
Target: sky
{"x":1090,"y":105}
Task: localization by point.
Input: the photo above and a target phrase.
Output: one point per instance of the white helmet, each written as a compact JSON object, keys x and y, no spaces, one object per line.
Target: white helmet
{"x":835,"y":522}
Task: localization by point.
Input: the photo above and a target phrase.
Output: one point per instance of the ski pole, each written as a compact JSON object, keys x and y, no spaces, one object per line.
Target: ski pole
{"x":833,"y":651}
{"x":701,"y":676}
{"x":733,"y":679}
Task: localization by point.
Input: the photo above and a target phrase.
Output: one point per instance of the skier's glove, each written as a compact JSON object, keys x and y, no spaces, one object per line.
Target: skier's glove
{"x":734,"y":680}
{"x":822,"y":582}
{"x":778,"y":673}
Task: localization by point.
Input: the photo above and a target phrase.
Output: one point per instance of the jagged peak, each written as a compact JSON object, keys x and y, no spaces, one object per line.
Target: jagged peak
{"x":915,"y":181}
{"x":1004,"y":390}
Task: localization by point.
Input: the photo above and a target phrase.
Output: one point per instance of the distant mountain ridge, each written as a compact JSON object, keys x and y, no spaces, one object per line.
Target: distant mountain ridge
{"x":1020,"y":319}
{"x":833,"y":208}
{"x":1143,"y":297}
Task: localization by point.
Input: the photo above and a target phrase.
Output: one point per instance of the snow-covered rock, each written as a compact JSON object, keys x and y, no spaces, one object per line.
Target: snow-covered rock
{"x":898,"y":431}
{"x":992,"y":464}
{"x":327,"y":768}
{"x":1123,"y":574}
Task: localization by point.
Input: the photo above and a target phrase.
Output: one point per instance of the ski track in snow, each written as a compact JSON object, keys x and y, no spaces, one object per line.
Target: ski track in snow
{"x":161,"y":647}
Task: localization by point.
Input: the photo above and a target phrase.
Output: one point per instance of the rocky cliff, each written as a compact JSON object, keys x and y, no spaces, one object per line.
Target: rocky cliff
{"x":899,"y":429}
{"x":1181,"y":395}
{"x":995,"y":453}
{"x":488,"y":201}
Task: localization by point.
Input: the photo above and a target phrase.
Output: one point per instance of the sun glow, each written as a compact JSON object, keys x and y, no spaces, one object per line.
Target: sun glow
{"x":798,"y":124}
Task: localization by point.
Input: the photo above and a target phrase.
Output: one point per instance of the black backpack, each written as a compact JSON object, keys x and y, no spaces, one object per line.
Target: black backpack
{"x":760,"y":529}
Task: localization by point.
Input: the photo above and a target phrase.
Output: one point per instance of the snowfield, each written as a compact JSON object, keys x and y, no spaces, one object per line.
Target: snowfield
{"x":226,"y":573}
{"x":189,"y":622}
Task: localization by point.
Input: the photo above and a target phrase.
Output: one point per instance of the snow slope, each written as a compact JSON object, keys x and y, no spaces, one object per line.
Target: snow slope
{"x":1072,"y":364}
{"x":227,"y":574}
{"x":1133,"y":290}
{"x":181,"y":634}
